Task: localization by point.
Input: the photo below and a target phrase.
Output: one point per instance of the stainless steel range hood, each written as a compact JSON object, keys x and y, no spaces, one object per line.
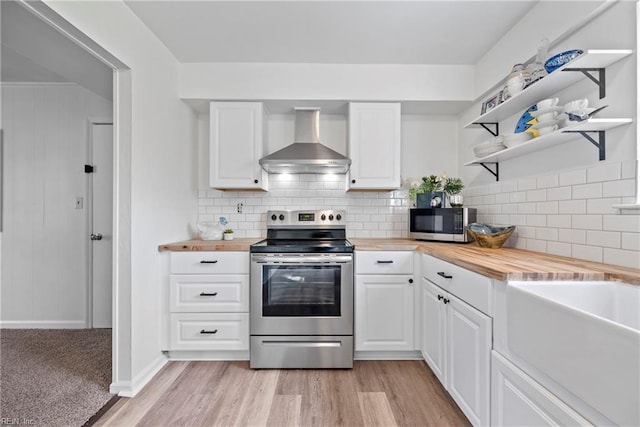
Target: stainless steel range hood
{"x":306,"y":154}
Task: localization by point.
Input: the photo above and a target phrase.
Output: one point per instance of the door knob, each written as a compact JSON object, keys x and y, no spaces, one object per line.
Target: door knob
{"x":96,"y":236}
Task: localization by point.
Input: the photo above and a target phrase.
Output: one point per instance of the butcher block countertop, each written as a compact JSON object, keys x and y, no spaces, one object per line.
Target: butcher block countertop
{"x":502,"y":264}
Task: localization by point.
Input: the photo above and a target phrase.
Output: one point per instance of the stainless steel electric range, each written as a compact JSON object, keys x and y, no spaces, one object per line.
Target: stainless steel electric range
{"x":302,"y":292}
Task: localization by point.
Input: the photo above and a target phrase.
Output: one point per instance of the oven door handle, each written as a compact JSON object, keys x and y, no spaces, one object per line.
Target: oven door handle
{"x":337,"y":259}
{"x":312,"y":344}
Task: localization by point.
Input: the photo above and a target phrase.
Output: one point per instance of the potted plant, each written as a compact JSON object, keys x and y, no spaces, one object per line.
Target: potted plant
{"x":452,"y":187}
{"x":227,"y":234}
{"x":431,"y":190}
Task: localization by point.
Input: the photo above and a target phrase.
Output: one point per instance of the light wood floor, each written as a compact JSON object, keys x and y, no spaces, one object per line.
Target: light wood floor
{"x":373,"y":393}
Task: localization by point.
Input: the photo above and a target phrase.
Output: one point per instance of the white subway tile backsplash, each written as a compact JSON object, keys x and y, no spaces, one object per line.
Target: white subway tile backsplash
{"x":547,"y":181}
{"x":558,"y":248}
{"x":589,"y":253}
{"x":536,"y":195}
{"x":572,"y":236}
{"x":559,"y":221}
{"x":573,"y":214}
{"x":572,"y":207}
{"x":630,"y":241}
{"x":526,"y":208}
{"x":536,"y":245}
{"x":509,"y":186}
{"x":622,"y":257}
{"x":547,"y":208}
{"x":628,"y":169}
{"x":573,"y":177}
{"x":602,"y":206}
{"x":559,"y":193}
{"x":537,"y":220}
{"x":624,"y":187}
{"x":587,"y":222}
{"x":628,"y":223}
{"x":587,"y":191}
{"x":604,"y":172}
{"x":609,"y":239}
{"x":547,"y":234}
{"x":526,"y":184}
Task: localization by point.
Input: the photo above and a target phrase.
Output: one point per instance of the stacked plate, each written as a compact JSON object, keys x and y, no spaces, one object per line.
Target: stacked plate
{"x":489,"y":147}
{"x":517,"y":138}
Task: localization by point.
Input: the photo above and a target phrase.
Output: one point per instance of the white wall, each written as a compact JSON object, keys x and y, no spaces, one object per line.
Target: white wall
{"x":45,"y":257}
{"x":560,"y":198}
{"x":429,"y":146}
{"x":162,"y":173}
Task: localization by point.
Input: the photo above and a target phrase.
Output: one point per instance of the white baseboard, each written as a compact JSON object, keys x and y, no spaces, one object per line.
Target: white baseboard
{"x":207,"y":355}
{"x":131,"y":388}
{"x":387,"y":355}
{"x":42,"y":324}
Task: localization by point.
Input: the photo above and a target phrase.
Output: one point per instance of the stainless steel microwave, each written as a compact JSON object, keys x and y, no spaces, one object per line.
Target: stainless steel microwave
{"x":441,"y":224}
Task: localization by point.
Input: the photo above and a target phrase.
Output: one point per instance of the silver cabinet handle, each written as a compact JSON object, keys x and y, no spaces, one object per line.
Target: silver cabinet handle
{"x":95,"y":236}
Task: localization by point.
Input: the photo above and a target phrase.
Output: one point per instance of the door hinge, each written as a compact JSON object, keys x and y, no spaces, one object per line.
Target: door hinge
{"x":89,"y":169}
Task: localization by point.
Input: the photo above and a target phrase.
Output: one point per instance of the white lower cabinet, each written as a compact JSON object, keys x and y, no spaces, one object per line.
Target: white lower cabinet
{"x":384,"y":301}
{"x":456,"y":344}
{"x":207,"y":303}
{"x":518,"y":400}
{"x":384,"y":313}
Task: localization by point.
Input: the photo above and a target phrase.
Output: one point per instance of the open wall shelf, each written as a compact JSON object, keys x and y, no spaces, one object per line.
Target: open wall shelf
{"x":591,"y":63}
{"x":595,"y":127}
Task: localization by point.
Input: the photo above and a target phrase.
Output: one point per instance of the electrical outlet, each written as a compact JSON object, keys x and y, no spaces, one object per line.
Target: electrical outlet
{"x":239,"y":207}
{"x":79,"y":202}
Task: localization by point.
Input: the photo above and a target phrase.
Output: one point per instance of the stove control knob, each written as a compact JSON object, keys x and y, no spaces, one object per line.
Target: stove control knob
{"x":273,"y":217}
{"x":330,"y":217}
{"x":323,"y":217}
{"x":281,"y":217}
{"x":338,"y":217}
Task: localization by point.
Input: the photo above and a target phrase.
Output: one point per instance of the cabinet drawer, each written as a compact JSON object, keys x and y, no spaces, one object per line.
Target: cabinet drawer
{"x":209,"y":331}
{"x":214,"y":262}
{"x":209,"y":293}
{"x":384,"y":262}
{"x":473,"y":288}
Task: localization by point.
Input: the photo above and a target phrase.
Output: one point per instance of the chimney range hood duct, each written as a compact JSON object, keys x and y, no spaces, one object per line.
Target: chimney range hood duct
{"x":306,"y":154}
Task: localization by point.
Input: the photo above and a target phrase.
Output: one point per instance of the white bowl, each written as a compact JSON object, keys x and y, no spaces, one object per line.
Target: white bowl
{"x":576,"y":105}
{"x":538,"y":113}
{"x":517,"y":137}
{"x":485,"y":151}
{"x":547,"y":103}
{"x":547,"y":117}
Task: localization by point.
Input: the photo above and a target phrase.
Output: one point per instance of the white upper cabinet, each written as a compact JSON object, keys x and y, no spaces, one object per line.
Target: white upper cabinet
{"x":374,"y":146}
{"x":236,"y":143}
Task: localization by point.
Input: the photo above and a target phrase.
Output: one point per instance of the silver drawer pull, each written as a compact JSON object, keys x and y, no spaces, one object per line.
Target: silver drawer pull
{"x":204,"y":331}
{"x":313,"y":344}
{"x":384,"y":262}
{"x":208,"y":294}
{"x":204,"y":261}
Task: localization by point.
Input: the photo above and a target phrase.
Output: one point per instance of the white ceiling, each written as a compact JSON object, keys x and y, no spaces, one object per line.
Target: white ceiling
{"x":32,"y":51}
{"x":348,"y":32}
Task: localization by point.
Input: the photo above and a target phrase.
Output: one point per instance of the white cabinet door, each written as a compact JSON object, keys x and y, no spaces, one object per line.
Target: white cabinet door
{"x":384,"y":313}
{"x":433,"y":328}
{"x":518,"y":400}
{"x":374,"y":146}
{"x":236,"y":141}
{"x":468,"y":359}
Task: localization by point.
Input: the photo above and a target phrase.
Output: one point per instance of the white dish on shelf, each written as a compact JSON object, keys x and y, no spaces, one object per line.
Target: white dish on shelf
{"x":517,"y":137}
{"x":560,"y":121}
{"x":485,"y":151}
{"x":557,"y":109}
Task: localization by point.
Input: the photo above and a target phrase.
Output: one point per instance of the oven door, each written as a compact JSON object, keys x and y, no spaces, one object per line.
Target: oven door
{"x":301,"y":294}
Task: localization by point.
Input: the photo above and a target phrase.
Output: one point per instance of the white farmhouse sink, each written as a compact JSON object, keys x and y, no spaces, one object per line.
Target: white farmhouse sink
{"x":583,"y":335}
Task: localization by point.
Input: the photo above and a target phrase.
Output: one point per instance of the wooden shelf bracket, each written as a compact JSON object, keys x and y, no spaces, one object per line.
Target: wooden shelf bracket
{"x":600,"y":143}
{"x":599,"y":81}
{"x":495,"y":173}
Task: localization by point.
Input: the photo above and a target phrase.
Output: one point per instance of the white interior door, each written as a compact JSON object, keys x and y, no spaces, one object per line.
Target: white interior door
{"x":101,"y":223}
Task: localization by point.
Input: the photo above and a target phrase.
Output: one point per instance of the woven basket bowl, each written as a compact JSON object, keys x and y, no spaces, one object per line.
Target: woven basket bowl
{"x":489,"y":236}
